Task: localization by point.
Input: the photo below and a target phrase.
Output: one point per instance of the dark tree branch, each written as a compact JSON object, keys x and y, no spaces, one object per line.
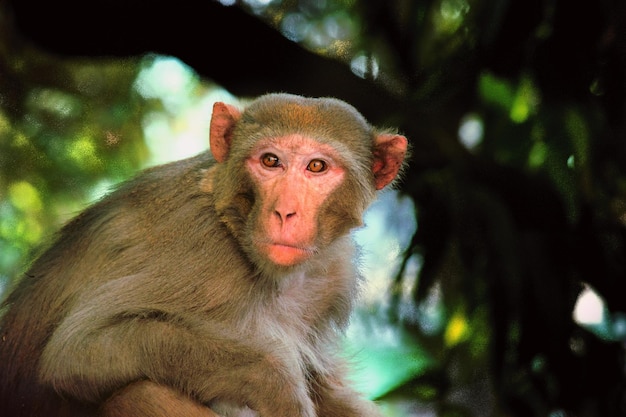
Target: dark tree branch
{"x":225,"y":44}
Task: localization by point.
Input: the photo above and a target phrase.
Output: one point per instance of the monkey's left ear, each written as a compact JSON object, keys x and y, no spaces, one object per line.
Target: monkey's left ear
{"x":223,"y":121}
{"x":389,"y":153}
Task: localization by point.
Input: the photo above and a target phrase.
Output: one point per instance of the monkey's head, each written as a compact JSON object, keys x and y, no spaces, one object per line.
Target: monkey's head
{"x":294,"y":174}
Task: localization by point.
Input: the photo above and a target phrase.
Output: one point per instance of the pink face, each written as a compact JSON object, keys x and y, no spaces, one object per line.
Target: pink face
{"x":294,"y":176}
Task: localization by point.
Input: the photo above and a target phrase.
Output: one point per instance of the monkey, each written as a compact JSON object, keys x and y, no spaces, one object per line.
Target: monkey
{"x":217,"y":285}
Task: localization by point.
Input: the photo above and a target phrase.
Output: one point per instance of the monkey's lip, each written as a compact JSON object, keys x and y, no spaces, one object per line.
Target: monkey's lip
{"x":287,"y":254}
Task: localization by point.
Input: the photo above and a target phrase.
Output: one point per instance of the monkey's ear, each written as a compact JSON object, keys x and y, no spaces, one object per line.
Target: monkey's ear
{"x":389,"y":153}
{"x":223,"y":121}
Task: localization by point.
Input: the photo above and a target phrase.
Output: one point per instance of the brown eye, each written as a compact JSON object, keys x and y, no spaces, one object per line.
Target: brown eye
{"x":317,"y":165}
{"x":270,"y":160}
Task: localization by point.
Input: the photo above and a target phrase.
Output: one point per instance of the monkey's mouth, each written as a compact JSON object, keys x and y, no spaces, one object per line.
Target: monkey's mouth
{"x":287,"y":255}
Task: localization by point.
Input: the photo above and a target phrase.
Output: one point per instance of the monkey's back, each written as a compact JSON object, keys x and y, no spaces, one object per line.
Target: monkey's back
{"x":129,"y":231}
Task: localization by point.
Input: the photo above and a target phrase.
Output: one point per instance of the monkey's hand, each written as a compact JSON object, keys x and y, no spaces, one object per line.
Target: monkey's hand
{"x":225,"y":409}
{"x":115,"y":338}
{"x":334,"y":398}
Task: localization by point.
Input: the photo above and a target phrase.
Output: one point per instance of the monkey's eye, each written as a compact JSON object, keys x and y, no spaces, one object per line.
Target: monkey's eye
{"x":317,"y":165}
{"x":270,"y":160}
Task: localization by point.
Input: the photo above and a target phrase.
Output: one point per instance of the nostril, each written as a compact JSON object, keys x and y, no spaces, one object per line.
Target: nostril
{"x":284,"y":217}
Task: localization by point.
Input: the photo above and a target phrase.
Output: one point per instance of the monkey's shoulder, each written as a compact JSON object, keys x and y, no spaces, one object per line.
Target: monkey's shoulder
{"x":155,"y":189}
{"x":171,"y":180}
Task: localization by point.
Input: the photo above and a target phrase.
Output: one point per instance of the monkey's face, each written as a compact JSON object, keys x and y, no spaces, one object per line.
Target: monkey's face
{"x":294,"y":176}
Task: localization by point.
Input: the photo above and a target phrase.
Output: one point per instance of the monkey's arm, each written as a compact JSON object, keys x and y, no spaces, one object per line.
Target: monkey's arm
{"x":149,"y":399}
{"x":115,"y":337}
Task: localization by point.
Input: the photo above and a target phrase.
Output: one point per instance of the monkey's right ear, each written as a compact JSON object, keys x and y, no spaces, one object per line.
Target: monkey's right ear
{"x":223,"y":121}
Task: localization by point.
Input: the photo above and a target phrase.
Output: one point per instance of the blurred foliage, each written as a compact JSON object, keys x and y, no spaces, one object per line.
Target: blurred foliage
{"x":66,"y":126}
{"x":517,"y":115}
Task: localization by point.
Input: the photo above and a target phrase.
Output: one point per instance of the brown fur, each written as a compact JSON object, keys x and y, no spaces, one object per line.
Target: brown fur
{"x":155,"y":302}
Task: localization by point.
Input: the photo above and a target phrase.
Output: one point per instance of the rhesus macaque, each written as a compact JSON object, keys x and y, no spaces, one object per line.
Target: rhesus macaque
{"x":216,"y":285}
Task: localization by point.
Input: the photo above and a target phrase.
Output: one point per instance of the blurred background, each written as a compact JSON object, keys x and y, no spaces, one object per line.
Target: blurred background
{"x":496,"y":271}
